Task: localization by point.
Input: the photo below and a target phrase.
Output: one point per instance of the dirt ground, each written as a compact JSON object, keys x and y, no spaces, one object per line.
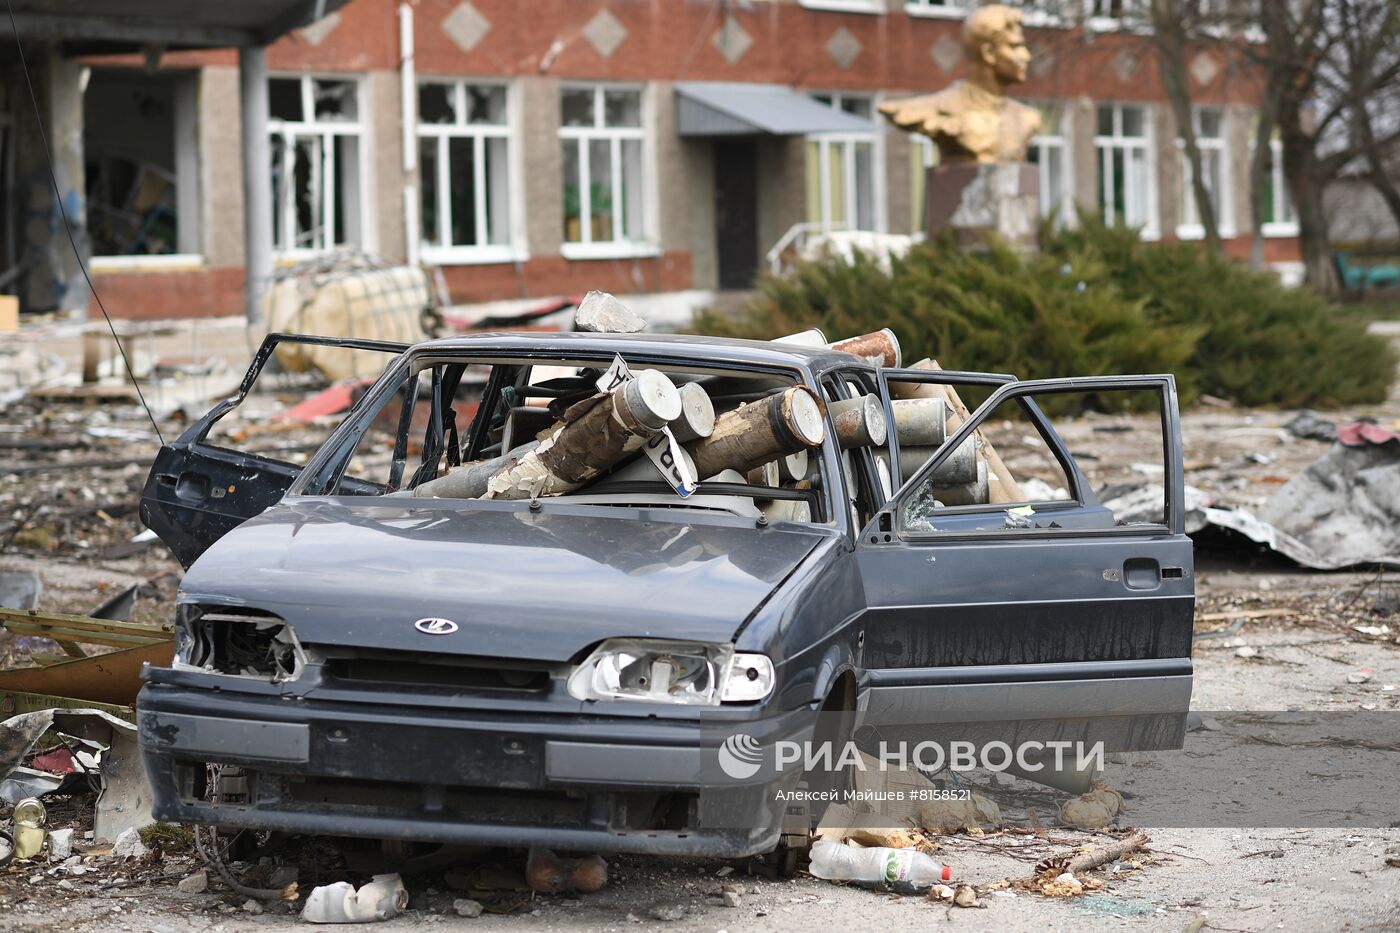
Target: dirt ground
{"x":72,"y":523}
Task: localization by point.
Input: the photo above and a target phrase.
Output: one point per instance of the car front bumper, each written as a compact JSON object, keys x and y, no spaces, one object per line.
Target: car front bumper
{"x":597,"y":783}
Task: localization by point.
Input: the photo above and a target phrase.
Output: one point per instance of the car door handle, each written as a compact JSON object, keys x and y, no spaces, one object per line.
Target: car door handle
{"x":1141,"y":573}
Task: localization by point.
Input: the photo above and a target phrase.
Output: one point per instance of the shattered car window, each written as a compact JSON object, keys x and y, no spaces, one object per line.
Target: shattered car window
{"x":1009,"y":475}
{"x":598,"y":431}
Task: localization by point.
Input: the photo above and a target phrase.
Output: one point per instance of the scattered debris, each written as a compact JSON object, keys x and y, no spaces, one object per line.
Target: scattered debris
{"x":383,"y":897}
{"x":601,"y":313}
{"x":194,"y":883}
{"x":1095,"y":810}
{"x":547,"y":873}
{"x":1362,"y":676}
{"x":668,"y":912}
{"x":29,"y":817}
{"x":1310,"y":425}
{"x":977,"y":812}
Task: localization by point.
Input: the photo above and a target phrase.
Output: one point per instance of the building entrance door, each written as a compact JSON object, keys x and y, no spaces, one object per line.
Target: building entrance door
{"x":736,"y":212}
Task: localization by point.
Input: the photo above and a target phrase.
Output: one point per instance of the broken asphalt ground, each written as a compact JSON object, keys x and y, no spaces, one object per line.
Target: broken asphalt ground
{"x":1299,"y":623}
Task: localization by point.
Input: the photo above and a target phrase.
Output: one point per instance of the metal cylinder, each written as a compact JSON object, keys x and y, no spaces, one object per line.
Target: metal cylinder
{"x":793,"y":467}
{"x":920,"y":422}
{"x":652,"y":399}
{"x":697,"y":417}
{"x":806,"y":338}
{"x":960,"y":467}
{"x":881,"y":347}
{"x":760,"y":431}
{"x":859,"y":422}
{"x":973,"y":493}
{"x":787,"y":510}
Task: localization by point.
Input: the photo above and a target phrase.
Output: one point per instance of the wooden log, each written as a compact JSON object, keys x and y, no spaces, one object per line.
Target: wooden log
{"x":598,"y":433}
{"x":470,"y":479}
{"x":881,"y":347}
{"x":757,"y":432}
{"x":920,"y":422}
{"x":697,"y":418}
{"x":859,"y":421}
{"x":1002,"y":487}
{"x":1092,"y":859}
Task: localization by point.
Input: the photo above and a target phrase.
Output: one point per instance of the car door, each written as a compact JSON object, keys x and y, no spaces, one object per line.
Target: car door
{"x":198,"y":491}
{"x":1056,"y":601}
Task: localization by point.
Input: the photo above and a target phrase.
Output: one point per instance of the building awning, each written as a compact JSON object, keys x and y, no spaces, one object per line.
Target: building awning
{"x":714,"y":108}
{"x":96,"y":26}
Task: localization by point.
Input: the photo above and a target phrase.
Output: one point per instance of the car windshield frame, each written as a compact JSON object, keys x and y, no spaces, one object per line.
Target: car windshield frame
{"x":341,"y":443}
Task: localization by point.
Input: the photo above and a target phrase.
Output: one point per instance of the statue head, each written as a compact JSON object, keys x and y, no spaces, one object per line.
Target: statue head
{"x":996,"y":46}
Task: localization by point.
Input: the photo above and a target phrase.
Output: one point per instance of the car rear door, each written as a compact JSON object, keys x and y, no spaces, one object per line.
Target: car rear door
{"x":197,"y":491}
{"x":1050,"y":601}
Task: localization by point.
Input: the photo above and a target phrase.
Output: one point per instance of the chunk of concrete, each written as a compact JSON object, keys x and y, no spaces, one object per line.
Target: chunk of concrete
{"x":601,"y":313}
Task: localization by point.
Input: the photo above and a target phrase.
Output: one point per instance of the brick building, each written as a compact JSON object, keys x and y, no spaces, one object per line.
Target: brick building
{"x":639,"y":146}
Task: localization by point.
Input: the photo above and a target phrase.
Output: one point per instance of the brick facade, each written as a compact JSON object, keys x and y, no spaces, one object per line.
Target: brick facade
{"x":543,"y":47}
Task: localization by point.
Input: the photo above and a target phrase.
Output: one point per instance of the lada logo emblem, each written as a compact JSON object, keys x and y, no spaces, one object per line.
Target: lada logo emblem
{"x":435,"y":626}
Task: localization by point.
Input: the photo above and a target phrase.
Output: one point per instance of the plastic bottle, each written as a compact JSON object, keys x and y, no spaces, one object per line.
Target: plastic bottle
{"x":837,"y":861}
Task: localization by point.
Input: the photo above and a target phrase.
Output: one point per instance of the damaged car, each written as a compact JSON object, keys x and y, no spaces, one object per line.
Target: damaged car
{"x":526,"y":588}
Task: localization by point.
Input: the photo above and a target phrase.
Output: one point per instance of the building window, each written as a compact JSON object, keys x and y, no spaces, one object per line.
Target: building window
{"x":846,"y":6}
{"x":318,"y":172}
{"x":844,"y":171}
{"x":464,"y":166}
{"x":1049,"y":152}
{"x":1127,"y":183}
{"x":1280,"y":219}
{"x":1210,"y":139}
{"x":602,"y":140}
{"x":946,"y":8}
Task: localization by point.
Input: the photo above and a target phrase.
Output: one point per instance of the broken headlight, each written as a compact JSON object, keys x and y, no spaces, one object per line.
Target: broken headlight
{"x":245,"y":643}
{"x":658,"y":671}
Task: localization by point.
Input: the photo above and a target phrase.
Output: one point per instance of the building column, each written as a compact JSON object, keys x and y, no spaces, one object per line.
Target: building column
{"x":257,"y":179}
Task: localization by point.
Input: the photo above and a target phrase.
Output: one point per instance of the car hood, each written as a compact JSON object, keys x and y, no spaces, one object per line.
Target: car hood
{"x":519,"y":584}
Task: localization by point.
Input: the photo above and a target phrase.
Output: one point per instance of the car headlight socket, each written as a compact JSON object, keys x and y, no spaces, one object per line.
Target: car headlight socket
{"x":676,"y":672}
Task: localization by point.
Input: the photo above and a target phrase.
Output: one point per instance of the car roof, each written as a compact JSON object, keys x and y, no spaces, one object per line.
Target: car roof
{"x":678,"y":346}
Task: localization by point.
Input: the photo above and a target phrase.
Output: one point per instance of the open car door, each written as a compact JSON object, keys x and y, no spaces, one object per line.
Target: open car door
{"x":198,"y":491}
{"x":1071,"y":597}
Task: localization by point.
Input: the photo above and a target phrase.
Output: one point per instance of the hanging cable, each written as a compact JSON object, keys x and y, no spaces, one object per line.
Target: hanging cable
{"x":68,"y":226}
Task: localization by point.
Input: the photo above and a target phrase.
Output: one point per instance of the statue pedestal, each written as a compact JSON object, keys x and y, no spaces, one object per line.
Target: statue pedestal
{"x":973,"y":200}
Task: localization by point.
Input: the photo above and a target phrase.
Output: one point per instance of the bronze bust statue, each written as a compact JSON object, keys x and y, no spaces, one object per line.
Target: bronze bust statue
{"x":974,"y":120}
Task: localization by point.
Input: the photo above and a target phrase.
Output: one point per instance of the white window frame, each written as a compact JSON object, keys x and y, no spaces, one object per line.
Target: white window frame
{"x":615,"y":248}
{"x":1061,"y":140}
{"x":1151,"y":227}
{"x":1225,"y":210}
{"x":325,"y":130}
{"x":876,"y":139}
{"x":873,"y":7}
{"x":1031,"y":13}
{"x":1133,"y":16}
{"x":949,"y":9}
{"x":1279,"y":182}
{"x":449,"y":254}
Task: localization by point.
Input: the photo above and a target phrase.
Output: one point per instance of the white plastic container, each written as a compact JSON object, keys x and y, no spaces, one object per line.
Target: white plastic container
{"x":836,"y":861}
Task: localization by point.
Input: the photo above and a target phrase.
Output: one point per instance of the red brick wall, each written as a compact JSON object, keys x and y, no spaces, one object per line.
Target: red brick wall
{"x":670,"y":40}
{"x":160,"y":294}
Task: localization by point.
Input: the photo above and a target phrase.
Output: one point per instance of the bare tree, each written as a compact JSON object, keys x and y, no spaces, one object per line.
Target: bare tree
{"x":1174,"y":25}
{"x":1365,"y":75}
